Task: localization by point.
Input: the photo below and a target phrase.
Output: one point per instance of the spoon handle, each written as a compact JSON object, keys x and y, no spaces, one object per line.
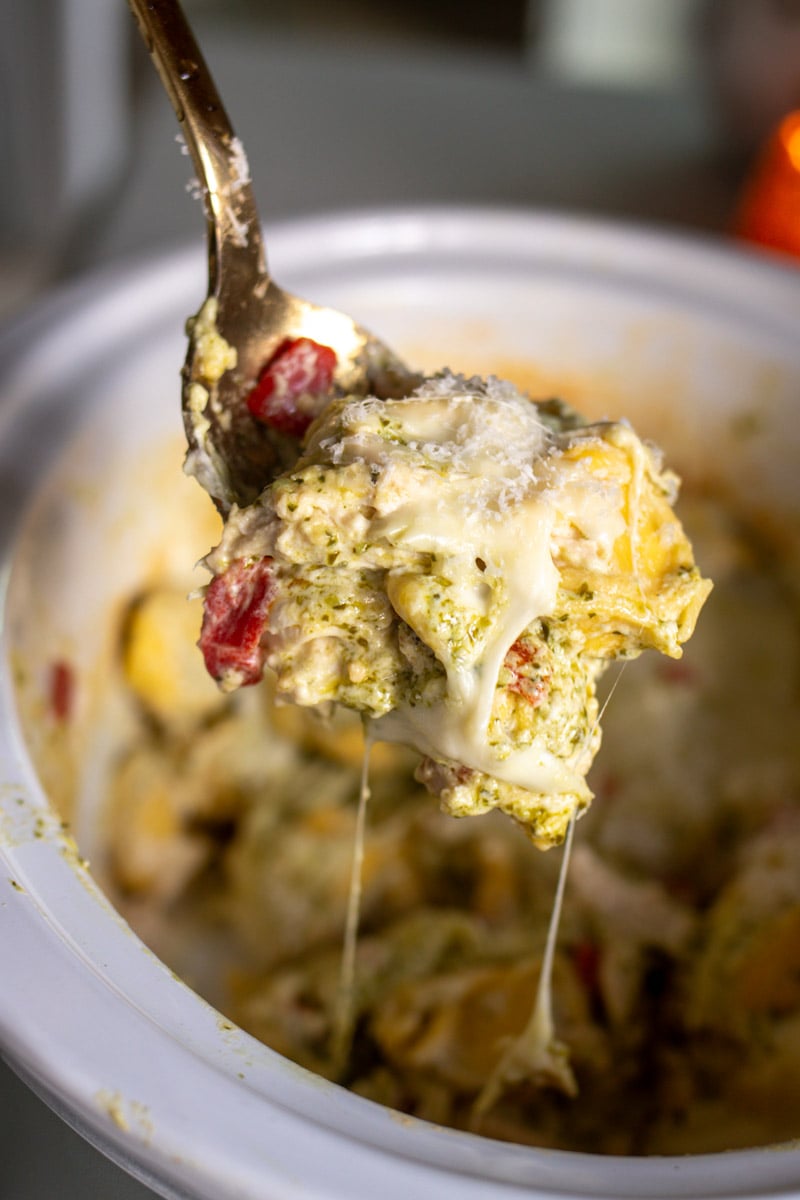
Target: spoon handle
{"x":235,"y":247}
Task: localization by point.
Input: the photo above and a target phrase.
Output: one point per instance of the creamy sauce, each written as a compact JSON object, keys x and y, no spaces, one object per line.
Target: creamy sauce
{"x":497,"y":505}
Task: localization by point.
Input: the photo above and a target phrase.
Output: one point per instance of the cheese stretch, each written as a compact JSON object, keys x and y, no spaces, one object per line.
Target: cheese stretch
{"x":459,"y":566}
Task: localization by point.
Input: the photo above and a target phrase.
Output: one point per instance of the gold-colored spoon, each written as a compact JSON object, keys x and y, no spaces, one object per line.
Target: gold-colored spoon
{"x":247,"y":319}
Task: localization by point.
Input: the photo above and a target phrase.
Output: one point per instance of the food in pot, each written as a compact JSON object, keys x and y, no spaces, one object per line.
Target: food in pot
{"x":459,"y":566}
{"x":230,"y":832}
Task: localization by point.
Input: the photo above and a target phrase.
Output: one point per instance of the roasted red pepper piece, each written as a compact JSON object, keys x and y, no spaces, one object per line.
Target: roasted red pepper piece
{"x":291,"y":387}
{"x":587,"y":959}
{"x":235,"y":614}
{"x":525,"y":680}
{"x":62,"y":690}
{"x":678,"y":672}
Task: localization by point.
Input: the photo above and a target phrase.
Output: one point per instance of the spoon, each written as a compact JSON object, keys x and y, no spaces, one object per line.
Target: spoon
{"x":248,"y":326}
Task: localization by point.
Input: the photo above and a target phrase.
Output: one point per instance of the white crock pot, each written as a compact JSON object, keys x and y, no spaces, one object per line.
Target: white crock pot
{"x":688,"y":339}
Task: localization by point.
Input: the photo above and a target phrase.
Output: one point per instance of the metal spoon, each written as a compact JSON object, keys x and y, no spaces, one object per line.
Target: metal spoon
{"x":233,"y":454}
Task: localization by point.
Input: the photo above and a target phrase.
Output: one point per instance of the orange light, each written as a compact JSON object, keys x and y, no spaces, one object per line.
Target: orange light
{"x":769,"y":210}
{"x":789,"y":135}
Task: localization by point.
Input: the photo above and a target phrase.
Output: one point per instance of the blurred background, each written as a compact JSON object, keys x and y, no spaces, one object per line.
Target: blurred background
{"x":644,"y":109}
{"x":656,"y":111}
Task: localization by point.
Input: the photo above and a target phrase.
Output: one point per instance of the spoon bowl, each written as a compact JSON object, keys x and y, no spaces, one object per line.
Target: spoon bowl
{"x":247,"y":320}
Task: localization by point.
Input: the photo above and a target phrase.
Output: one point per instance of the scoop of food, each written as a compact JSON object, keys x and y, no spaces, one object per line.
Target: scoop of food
{"x":459,"y":566}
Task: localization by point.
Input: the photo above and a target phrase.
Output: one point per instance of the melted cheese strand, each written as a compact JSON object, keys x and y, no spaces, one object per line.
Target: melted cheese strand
{"x":344,"y":1016}
{"x":536,"y":1054}
{"x":540,"y":1030}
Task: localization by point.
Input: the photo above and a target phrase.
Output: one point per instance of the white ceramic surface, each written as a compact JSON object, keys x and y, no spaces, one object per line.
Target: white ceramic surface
{"x":692,"y":341}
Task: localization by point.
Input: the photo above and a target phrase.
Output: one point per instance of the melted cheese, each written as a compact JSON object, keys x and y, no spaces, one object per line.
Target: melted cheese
{"x":496,"y":506}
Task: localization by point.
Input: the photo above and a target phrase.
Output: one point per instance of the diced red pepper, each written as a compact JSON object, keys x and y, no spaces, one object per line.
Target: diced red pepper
{"x":678,"y":672}
{"x":440,"y":777}
{"x":292,"y":388}
{"x":62,"y":690}
{"x":608,"y":786}
{"x":530,"y":684}
{"x":586,"y":957}
{"x":235,"y":614}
